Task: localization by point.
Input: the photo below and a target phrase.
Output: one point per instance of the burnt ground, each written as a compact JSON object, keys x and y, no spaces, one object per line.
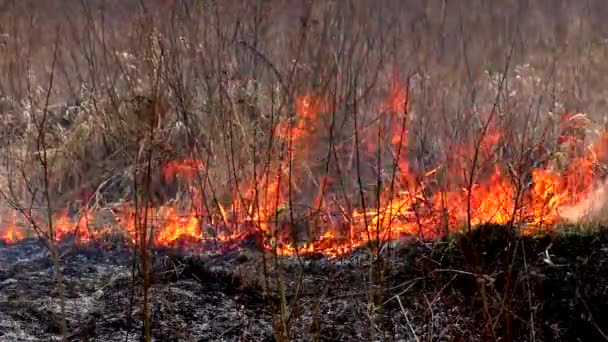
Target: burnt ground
{"x":487,"y":285}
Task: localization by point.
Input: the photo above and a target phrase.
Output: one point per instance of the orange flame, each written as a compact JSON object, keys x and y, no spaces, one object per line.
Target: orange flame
{"x":12,"y":233}
{"x":409,"y":207}
{"x":178,"y":227}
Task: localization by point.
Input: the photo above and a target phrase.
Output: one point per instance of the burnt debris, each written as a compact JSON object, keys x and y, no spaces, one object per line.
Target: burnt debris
{"x":560,"y":281}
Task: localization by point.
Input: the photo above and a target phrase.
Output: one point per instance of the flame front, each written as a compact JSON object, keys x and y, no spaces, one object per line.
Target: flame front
{"x":407,"y":205}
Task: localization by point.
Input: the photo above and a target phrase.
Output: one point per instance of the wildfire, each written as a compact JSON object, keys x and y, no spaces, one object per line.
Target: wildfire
{"x":64,"y":226}
{"x":178,"y":226}
{"x":187,"y":169}
{"x":12,"y":234}
{"x":412,"y":205}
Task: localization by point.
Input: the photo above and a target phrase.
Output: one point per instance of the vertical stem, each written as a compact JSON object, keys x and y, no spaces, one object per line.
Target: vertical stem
{"x":43,"y":159}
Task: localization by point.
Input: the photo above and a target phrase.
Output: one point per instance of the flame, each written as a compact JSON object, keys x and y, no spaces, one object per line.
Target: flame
{"x":413,"y":205}
{"x":548,"y":195}
{"x":178,"y":227}
{"x":12,"y":233}
{"x":187,"y":169}
{"x":65,"y":227}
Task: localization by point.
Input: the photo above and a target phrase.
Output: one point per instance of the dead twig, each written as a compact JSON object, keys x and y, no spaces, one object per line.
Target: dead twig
{"x":407,"y":319}
{"x":595,"y":325}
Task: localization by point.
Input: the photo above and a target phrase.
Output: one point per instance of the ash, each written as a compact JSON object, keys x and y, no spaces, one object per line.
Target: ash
{"x":194,"y":298}
{"x":442,"y":291}
{"x":99,"y":293}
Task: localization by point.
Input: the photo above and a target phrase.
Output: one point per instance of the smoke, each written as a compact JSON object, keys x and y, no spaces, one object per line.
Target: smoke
{"x":593,"y":208}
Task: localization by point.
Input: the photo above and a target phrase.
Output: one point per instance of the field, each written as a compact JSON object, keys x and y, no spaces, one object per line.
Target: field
{"x":335,"y":170}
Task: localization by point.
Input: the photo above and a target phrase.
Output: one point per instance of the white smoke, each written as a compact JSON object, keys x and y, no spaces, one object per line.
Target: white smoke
{"x":594,"y":208}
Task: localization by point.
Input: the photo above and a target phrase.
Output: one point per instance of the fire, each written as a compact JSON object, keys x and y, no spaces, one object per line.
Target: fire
{"x":412,"y":205}
{"x":187,"y":169}
{"x":64,"y":227}
{"x":178,"y":226}
{"x":493,"y":202}
{"x":12,"y":234}
{"x":308,"y":109}
{"x":9,"y":232}
{"x":548,"y":195}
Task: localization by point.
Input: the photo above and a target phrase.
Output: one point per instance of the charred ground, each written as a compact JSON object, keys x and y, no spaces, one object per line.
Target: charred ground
{"x":488,"y":284}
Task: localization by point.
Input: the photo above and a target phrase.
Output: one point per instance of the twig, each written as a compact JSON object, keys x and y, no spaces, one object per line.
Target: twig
{"x":432,"y":319}
{"x":407,"y":318}
{"x":532,"y":309}
{"x":599,"y":330}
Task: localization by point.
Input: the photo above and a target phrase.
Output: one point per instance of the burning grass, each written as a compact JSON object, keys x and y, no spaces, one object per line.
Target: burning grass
{"x":410,"y":206}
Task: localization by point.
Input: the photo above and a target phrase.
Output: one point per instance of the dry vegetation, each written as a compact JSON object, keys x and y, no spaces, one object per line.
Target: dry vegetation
{"x":99,"y":97}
